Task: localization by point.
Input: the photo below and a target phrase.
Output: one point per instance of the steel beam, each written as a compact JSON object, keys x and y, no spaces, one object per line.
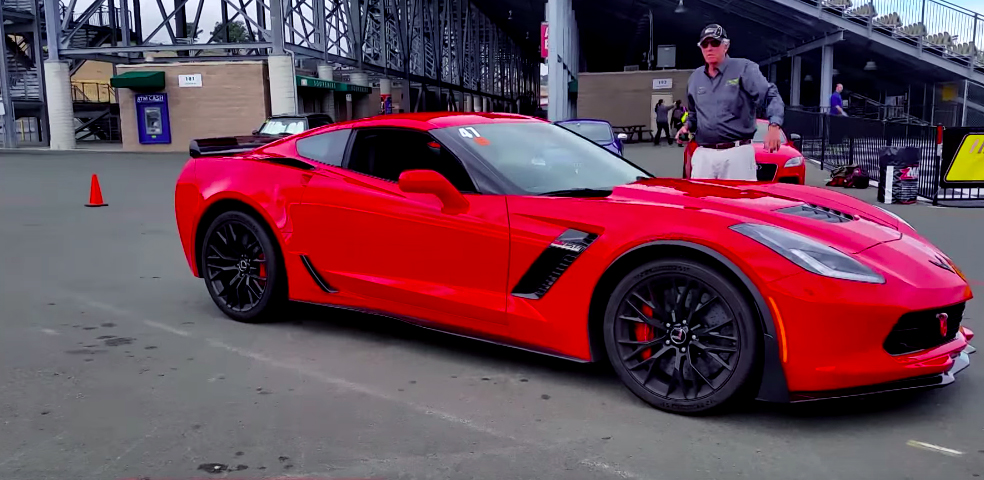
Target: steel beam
{"x":806,"y":47}
{"x":7,"y":116}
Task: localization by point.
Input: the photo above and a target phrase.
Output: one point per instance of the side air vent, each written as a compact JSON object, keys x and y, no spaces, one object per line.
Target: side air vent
{"x":316,"y":276}
{"x":817,"y":212}
{"x":552,"y":263}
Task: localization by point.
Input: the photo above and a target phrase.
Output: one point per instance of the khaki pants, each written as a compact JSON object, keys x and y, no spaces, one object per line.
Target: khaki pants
{"x":736,"y":163}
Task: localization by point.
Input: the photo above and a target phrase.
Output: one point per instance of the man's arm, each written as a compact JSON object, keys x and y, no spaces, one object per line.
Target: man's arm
{"x":763,"y":92}
{"x":691,"y":122}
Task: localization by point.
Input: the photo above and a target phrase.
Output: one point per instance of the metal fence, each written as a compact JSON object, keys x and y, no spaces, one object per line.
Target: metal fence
{"x":836,"y":141}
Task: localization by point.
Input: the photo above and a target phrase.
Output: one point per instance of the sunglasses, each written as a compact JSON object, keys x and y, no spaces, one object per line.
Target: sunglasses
{"x":713,"y":42}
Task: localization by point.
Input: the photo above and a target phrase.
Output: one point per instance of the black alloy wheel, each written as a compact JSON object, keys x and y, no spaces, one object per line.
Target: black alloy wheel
{"x":241,"y":268}
{"x":681,"y":336}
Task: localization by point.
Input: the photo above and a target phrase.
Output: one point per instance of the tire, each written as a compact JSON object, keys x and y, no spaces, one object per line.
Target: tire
{"x":242,"y":268}
{"x":703,"y":325}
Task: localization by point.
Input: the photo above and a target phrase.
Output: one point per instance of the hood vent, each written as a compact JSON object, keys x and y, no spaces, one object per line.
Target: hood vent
{"x":817,"y":212}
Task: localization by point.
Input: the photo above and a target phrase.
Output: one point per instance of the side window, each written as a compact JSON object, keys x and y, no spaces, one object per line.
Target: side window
{"x":388,"y":153}
{"x":327,"y":148}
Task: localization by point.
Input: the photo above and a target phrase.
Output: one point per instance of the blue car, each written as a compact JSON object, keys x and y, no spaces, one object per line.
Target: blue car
{"x":598,"y":131}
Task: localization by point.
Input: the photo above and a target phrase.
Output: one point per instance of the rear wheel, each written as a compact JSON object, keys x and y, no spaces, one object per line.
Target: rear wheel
{"x":242,"y":269}
{"x":681,"y":336}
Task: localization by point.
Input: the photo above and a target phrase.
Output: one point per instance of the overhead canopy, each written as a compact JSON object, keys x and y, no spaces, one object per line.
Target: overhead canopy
{"x":142,"y":80}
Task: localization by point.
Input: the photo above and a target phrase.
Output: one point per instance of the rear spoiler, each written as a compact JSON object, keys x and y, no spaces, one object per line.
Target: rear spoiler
{"x":218,"y":146}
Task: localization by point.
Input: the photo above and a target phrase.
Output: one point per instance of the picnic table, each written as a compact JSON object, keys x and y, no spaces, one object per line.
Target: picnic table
{"x":630,"y":130}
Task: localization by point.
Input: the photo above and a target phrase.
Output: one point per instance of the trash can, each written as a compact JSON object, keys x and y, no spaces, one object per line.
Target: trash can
{"x":899,"y":179}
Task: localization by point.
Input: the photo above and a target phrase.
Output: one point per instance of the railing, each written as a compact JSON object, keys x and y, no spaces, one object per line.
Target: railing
{"x":836,"y":141}
{"x":102,"y":17}
{"x":93,"y":92}
{"x":937,"y":26}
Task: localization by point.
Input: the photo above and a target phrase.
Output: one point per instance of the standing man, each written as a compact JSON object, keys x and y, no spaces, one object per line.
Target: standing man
{"x":723,"y":97}
{"x":662,"y":123}
{"x":836,"y":102}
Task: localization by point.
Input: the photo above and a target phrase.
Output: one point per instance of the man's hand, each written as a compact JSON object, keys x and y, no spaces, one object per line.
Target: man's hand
{"x":772,"y":138}
{"x":681,"y":131}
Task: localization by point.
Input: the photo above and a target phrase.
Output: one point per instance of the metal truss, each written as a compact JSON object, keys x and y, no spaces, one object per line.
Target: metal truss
{"x":444,"y":43}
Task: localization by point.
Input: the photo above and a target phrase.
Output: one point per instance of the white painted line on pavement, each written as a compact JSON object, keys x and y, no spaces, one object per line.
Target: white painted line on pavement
{"x":337,"y":382}
{"x":166,"y":328}
{"x":611,"y":469}
{"x":934,"y":448}
{"x":49,"y":331}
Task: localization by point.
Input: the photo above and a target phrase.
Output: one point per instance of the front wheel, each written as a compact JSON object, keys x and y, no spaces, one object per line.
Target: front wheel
{"x":242,"y":270}
{"x":681,"y":336}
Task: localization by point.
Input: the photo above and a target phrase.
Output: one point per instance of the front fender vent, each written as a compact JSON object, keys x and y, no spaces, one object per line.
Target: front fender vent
{"x":552,"y":263}
{"x":816,"y":212}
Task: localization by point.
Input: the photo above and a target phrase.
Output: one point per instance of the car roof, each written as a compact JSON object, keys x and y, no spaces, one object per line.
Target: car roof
{"x":433,"y":120}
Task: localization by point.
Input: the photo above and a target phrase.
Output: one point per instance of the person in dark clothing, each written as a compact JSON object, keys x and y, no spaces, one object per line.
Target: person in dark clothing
{"x":676,"y":117}
{"x":662,"y":123}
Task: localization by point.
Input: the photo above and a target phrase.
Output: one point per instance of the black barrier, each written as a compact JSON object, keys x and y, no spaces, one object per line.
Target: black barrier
{"x":837,"y":141}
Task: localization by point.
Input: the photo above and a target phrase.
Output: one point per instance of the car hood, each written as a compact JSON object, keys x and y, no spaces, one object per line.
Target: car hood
{"x":836,"y":219}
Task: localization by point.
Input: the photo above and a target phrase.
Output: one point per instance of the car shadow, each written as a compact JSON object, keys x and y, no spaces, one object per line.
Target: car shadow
{"x":834,"y":414}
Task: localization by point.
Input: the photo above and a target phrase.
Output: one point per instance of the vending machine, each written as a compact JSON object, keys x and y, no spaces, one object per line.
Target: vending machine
{"x":153,"y":122}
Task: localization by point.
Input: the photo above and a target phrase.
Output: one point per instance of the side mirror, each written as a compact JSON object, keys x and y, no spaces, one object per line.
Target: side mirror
{"x":623,"y":137}
{"x":256,"y":132}
{"x":429,"y":181}
{"x":797,"y":141}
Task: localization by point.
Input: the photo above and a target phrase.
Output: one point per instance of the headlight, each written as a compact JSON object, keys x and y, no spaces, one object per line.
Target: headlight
{"x":809,"y":254}
{"x":900,"y":219}
{"x":794,"y":162}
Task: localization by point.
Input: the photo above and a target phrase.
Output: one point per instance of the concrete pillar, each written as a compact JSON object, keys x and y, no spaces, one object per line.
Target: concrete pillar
{"x":794,"y":81}
{"x":58,"y":97}
{"x":385,"y":88}
{"x":486,"y":105}
{"x":360,"y":103}
{"x":466,"y":103}
{"x":773,"y":72}
{"x":283,"y":86}
{"x":477,"y":103}
{"x":826,"y":76}
{"x":327,"y":72}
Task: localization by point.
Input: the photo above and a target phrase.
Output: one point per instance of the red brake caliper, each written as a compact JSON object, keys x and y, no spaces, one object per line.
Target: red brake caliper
{"x":645,"y":333}
{"x":262,"y":272}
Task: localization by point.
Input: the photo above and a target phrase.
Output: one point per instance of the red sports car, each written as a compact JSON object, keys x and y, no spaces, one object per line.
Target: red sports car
{"x":513,"y":230}
{"x":787,"y":165}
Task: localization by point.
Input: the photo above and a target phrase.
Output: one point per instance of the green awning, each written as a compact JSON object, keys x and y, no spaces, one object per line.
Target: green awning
{"x":313,"y":82}
{"x":142,"y":80}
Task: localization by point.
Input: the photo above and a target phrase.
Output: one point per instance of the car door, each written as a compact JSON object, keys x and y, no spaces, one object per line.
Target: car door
{"x":371,"y":240}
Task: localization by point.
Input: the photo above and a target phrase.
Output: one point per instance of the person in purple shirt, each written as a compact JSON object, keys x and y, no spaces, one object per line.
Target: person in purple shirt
{"x":836,"y":102}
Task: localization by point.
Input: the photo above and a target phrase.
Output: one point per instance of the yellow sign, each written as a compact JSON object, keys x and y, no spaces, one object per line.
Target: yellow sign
{"x":968,"y":163}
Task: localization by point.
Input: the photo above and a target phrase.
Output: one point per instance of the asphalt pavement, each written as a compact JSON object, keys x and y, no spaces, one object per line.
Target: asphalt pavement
{"x":114,"y":363}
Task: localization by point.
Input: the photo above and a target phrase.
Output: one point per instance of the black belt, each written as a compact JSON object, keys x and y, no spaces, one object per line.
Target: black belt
{"x":726,"y":145}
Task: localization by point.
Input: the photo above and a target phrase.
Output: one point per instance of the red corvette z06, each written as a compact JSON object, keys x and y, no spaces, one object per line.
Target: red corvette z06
{"x":514,"y":230}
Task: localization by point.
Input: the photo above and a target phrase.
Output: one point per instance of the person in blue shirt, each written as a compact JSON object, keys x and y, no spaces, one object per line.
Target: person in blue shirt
{"x":836,"y":102}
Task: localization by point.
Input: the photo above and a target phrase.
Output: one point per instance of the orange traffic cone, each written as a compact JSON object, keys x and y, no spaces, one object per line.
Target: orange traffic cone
{"x":95,"y":194}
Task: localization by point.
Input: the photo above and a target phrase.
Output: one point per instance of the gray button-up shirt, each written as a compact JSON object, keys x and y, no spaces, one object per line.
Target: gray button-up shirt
{"x":723,"y":108}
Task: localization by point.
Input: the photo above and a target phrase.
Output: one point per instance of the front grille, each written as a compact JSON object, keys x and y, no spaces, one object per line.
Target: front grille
{"x":817,"y":212}
{"x":921,"y":330}
{"x":766,"y":172}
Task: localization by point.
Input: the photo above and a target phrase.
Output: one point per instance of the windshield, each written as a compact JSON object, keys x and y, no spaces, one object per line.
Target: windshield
{"x":282,"y":126}
{"x":542,"y":157}
{"x":594,"y":131}
{"x":761,"y":128}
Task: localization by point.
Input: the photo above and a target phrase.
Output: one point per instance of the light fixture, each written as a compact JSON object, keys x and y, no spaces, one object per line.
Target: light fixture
{"x":808,"y":78}
{"x":510,"y":15}
{"x":834,"y":72}
{"x":870,"y":65}
{"x":680,"y":8}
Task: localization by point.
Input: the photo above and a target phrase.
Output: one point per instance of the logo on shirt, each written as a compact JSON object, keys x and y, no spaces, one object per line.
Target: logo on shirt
{"x":733,"y":82}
